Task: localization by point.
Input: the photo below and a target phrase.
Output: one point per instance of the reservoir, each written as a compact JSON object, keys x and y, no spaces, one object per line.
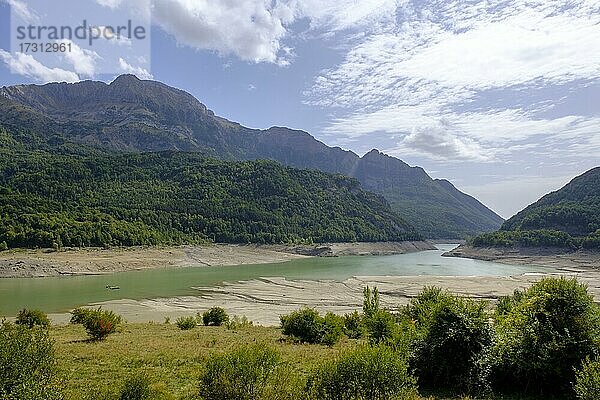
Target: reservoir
{"x":61,"y":294}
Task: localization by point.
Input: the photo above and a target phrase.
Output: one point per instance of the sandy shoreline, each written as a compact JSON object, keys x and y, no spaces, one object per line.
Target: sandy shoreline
{"x":43,"y":263}
{"x":546,"y":257}
{"x":264,"y":300}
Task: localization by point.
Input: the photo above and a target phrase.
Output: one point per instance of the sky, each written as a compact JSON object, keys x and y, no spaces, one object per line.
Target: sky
{"x":501,"y":97}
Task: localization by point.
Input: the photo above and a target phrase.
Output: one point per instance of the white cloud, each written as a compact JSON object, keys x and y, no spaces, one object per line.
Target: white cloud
{"x":140,"y":72}
{"x":110,"y":3}
{"x":27,"y":65}
{"x":22,"y":10}
{"x":415,"y":80}
{"x":83,"y":60}
{"x":250,"y":29}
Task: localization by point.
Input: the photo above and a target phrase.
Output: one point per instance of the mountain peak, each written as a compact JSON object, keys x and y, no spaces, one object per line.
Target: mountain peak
{"x":125,"y":79}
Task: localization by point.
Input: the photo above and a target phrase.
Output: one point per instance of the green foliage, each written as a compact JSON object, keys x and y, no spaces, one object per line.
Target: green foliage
{"x":3,"y":246}
{"x":308,"y":326}
{"x":455,"y":334}
{"x":169,"y":198}
{"x":98,"y":323}
{"x":354,"y":327}
{"x":539,"y":238}
{"x":31,"y":318}
{"x":381,"y":327}
{"x":27,"y":366}
{"x":136,"y":387}
{"x":186,"y":323}
{"x":79,"y":314}
{"x":216,"y":316}
{"x":587,"y":380}
{"x":333,"y":329}
{"x":374,"y":373}
{"x":547,"y":333}
{"x":370,"y":301}
{"x":245,"y":373}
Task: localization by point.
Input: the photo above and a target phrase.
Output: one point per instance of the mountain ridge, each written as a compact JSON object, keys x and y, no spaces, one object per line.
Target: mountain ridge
{"x":132,"y":115}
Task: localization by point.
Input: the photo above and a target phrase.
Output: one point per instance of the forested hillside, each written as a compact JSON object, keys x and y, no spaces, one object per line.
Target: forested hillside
{"x":147,"y":116}
{"x":61,"y":198}
{"x":569,"y":217}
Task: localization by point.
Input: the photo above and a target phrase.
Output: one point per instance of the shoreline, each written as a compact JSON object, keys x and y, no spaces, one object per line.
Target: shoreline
{"x":264,"y":300}
{"x":95,"y":261}
{"x":562,"y":259}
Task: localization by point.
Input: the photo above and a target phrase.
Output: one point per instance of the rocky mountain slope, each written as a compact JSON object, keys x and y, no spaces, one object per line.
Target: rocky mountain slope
{"x":132,"y":115}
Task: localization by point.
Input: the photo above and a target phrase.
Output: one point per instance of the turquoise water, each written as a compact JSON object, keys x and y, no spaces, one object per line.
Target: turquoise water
{"x":61,"y":294}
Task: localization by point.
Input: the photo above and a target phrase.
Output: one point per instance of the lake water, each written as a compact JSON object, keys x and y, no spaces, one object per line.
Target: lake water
{"x":62,"y":294}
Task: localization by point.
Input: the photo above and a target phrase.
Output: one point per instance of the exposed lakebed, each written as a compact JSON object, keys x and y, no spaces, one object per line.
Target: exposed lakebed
{"x":60,"y":294}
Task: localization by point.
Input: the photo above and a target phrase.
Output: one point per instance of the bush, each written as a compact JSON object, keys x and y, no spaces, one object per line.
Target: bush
{"x":455,"y":335}
{"x":587,"y":381}
{"x":216,"y":316}
{"x":186,"y":323}
{"x":333,"y":329}
{"x":27,"y":364}
{"x":374,"y":373}
{"x":547,"y":334}
{"x":381,"y":327}
{"x":136,"y":387}
{"x":307,"y":326}
{"x":353,"y":325}
{"x":98,"y":323}
{"x":31,"y":318}
{"x":3,"y":246}
{"x":242,"y":374}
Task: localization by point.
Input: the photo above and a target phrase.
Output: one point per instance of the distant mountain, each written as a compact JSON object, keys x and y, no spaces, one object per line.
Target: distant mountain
{"x":146,"y":116}
{"x":569,"y":217}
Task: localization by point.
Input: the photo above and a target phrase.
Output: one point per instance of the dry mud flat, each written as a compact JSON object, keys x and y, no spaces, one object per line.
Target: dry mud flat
{"x":545,"y":257}
{"x":43,"y":263}
{"x":264,"y":300}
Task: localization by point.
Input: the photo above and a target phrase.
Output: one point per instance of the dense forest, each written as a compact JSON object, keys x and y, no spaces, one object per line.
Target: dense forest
{"x":61,"y":198}
{"x":569,"y":218}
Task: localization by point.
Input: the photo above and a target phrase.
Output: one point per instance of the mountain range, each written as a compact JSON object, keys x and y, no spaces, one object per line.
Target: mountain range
{"x":132,"y":115}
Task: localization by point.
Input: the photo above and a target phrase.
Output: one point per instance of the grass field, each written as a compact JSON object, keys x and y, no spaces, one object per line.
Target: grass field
{"x":170,"y":357}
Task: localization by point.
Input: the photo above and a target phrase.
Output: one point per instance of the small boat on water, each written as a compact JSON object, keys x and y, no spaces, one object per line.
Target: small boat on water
{"x":109,"y":287}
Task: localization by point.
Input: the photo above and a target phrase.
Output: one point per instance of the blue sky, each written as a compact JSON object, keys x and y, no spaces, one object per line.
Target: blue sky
{"x":501,"y":97}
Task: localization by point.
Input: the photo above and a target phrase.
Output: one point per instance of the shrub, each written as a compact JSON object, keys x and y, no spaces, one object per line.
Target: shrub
{"x":333,"y":329}
{"x":242,"y":374}
{"x":374,"y":373}
{"x":3,"y":246}
{"x":216,"y":316}
{"x":455,"y":335}
{"x":186,"y":323}
{"x":27,"y":364}
{"x":98,"y":323}
{"x":31,"y":318}
{"x":136,"y":387}
{"x":307,"y":326}
{"x":381,"y":327}
{"x":587,"y":380}
{"x":548,"y":333}
{"x":353,"y":325}
{"x":370,"y":302}
{"x":79,"y":314}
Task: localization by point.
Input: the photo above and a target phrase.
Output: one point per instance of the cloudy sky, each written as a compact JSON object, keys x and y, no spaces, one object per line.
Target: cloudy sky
{"x":502,"y":97}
